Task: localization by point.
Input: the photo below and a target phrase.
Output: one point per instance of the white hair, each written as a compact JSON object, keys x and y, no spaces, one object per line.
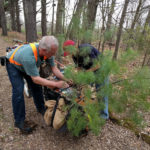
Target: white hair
{"x":47,"y":42}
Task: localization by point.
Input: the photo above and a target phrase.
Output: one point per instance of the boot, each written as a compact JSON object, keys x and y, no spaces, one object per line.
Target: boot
{"x":23,"y":127}
{"x":42,"y":112}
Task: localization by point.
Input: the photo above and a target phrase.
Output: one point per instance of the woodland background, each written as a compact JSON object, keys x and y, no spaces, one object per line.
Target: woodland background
{"x":120,"y":29}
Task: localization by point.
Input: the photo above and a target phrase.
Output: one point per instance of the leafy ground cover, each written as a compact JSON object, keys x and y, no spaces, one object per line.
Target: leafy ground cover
{"x":112,"y":136}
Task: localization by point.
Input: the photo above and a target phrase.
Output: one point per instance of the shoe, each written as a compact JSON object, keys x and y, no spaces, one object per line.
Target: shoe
{"x":42,"y":112}
{"x":83,"y":133}
{"x":23,"y":127}
{"x":104,"y":115}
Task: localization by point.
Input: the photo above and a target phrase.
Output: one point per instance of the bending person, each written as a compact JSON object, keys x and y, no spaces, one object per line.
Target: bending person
{"x":23,"y":62}
{"x":79,"y":55}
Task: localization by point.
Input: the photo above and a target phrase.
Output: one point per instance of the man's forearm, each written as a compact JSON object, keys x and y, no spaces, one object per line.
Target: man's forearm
{"x":43,"y":82}
{"x":57,"y":62}
{"x":58,"y":74}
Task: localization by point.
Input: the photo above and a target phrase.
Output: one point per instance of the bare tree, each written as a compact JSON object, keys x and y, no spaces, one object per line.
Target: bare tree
{"x":91,"y":15}
{"x":59,"y":17}
{"x":29,"y":7}
{"x":74,"y":24}
{"x":136,"y":14}
{"x":52,"y":26}
{"x":120,"y":28}
{"x":0,"y":21}
{"x":134,"y":21}
{"x":3,"y":18}
{"x":147,"y":21}
{"x":103,"y":23}
{"x":111,"y":12}
{"x":64,"y":19}
{"x":43,"y":18}
{"x":18,"y":16}
{"x":12,"y":14}
{"x":70,"y":24}
{"x":109,"y":20}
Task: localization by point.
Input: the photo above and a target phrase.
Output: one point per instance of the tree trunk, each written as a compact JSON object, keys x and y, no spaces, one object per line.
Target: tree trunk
{"x":59,"y":17}
{"x":91,"y":15}
{"x":59,"y":27}
{"x":120,"y":29}
{"x":109,"y":22}
{"x":52,"y":26}
{"x":131,"y":31}
{"x":111,"y":12}
{"x":103,"y":25}
{"x":30,"y":20}
{"x":0,"y":21}
{"x":18,"y":16}
{"x":43,"y":18}
{"x":125,"y":122}
{"x":3,"y":18}
{"x":147,"y":22}
{"x":64,"y":17}
{"x":73,"y":28}
{"x":70,"y":24}
{"x":145,"y":56}
{"x":12,"y":14}
{"x":136,"y":15}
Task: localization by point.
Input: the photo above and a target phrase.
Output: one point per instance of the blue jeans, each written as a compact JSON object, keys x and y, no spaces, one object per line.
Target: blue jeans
{"x":18,"y":104}
{"x":104,"y":113}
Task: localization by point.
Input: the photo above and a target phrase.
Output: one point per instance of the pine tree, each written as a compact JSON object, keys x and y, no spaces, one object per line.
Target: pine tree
{"x":127,"y":91}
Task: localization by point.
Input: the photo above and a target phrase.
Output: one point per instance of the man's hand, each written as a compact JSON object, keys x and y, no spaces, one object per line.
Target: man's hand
{"x":50,"y":84}
{"x":62,"y":84}
{"x":70,"y":82}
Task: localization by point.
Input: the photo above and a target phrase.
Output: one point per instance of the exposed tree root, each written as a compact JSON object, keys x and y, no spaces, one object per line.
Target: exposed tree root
{"x":130,"y":125}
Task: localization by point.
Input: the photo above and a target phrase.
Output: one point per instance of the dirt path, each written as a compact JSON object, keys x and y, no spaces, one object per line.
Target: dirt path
{"x":112,"y":137}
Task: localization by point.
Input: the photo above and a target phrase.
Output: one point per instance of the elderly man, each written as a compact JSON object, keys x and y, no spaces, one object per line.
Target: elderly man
{"x":23,"y":62}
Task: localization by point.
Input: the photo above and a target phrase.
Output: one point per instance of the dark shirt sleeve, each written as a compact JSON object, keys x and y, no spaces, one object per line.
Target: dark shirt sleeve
{"x":94,"y":53}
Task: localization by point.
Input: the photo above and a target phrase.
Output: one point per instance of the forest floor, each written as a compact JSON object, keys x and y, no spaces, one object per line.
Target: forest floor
{"x":112,"y":136}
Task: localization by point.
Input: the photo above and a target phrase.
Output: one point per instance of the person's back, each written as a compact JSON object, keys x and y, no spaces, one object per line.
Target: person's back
{"x":26,"y":57}
{"x":85,"y":56}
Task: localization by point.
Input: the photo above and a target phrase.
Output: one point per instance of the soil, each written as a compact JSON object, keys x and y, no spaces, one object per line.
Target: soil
{"x":112,"y":136}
